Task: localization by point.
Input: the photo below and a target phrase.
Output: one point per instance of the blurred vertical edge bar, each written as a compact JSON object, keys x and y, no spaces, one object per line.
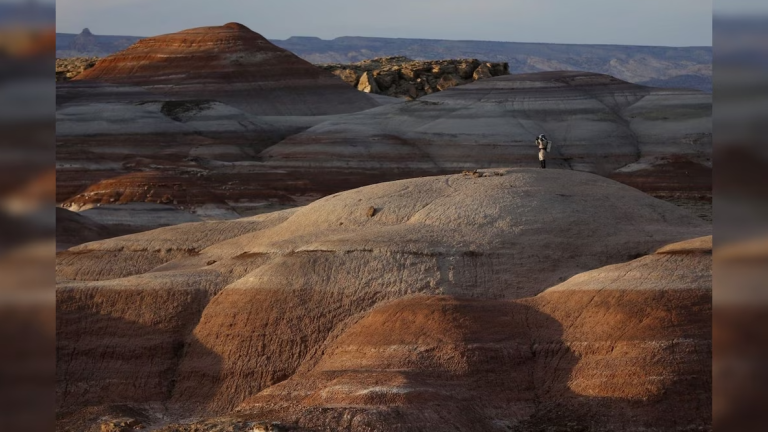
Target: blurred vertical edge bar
{"x":27,"y":217}
{"x":740,"y":354}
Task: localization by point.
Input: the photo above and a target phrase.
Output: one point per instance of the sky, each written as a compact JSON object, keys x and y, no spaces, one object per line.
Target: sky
{"x":622,"y":22}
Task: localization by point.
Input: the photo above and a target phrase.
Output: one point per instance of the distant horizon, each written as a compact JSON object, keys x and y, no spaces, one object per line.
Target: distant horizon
{"x":396,"y":37}
{"x":667,"y":23}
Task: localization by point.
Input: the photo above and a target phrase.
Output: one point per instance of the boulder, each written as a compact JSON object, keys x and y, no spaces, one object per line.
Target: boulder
{"x":482,"y":72}
{"x":498,"y":69}
{"x":385,"y":80}
{"x":348,"y":75}
{"x":439,"y":70}
{"x":448,"y":81}
{"x":368,"y":84}
{"x":467,"y":68}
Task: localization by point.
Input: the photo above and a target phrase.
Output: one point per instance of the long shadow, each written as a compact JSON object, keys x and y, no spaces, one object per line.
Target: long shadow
{"x":511,"y":368}
{"x":108,"y":362}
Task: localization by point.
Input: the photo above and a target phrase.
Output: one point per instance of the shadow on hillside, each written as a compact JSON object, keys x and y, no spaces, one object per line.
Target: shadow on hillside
{"x":111,"y":367}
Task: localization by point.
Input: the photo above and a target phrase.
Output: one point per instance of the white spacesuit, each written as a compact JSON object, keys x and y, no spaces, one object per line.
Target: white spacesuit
{"x":544,"y":146}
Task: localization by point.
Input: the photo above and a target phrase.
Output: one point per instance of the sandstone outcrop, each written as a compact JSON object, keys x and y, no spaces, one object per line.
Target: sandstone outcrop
{"x":69,"y":68}
{"x":330,"y":316}
{"x":410,"y":79}
{"x":230,"y":64}
{"x":368,"y":84}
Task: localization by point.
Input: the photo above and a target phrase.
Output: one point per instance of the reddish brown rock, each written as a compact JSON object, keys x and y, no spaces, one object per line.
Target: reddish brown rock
{"x":368,"y":84}
{"x":618,"y":348}
{"x":448,"y":81}
{"x":322,"y":314}
{"x":231,"y":64}
{"x":482,"y":72}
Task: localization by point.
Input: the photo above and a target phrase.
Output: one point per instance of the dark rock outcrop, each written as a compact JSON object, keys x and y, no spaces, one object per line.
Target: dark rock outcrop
{"x":410,"y":79}
{"x":69,"y":68}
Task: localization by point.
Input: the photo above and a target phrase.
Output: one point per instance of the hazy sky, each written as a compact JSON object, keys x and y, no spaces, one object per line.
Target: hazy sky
{"x":633,"y":22}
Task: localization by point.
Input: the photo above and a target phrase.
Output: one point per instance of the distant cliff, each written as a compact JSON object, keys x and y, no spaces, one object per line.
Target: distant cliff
{"x":87,"y":44}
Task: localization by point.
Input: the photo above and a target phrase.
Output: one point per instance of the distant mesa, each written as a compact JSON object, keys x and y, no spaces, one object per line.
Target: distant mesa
{"x":86,"y":32}
{"x":234,"y":65}
{"x":304,"y":38}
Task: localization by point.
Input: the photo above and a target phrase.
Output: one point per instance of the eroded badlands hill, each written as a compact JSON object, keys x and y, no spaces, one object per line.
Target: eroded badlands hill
{"x":598,"y":124}
{"x":231,"y":64}
{"x":391,"y":306}
{"x":124,"y":145}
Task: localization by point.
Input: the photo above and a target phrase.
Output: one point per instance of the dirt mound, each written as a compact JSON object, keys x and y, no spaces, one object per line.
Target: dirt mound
{"x":225,"y":310}
{"x":610,"y":349}
{"x":231,"y":64}
{"x":145,"y":186}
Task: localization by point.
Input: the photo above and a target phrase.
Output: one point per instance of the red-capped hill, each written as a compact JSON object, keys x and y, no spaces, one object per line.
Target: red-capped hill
{"x":233,"y":64}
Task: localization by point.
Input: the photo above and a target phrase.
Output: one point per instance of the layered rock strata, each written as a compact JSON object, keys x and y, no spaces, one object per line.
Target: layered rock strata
{"x":231,"y":64}
{"x":332,"y":316}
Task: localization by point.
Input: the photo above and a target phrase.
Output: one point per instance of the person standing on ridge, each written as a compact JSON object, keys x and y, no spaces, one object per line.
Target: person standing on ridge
{"x":544,"y":146}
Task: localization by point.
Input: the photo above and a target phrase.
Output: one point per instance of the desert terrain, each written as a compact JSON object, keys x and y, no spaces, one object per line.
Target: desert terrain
{"x":250,"y":242}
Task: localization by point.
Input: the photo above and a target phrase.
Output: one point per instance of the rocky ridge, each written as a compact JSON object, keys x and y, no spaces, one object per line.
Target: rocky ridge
{"x":410,"y":79}
{"x":69,"y":68}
